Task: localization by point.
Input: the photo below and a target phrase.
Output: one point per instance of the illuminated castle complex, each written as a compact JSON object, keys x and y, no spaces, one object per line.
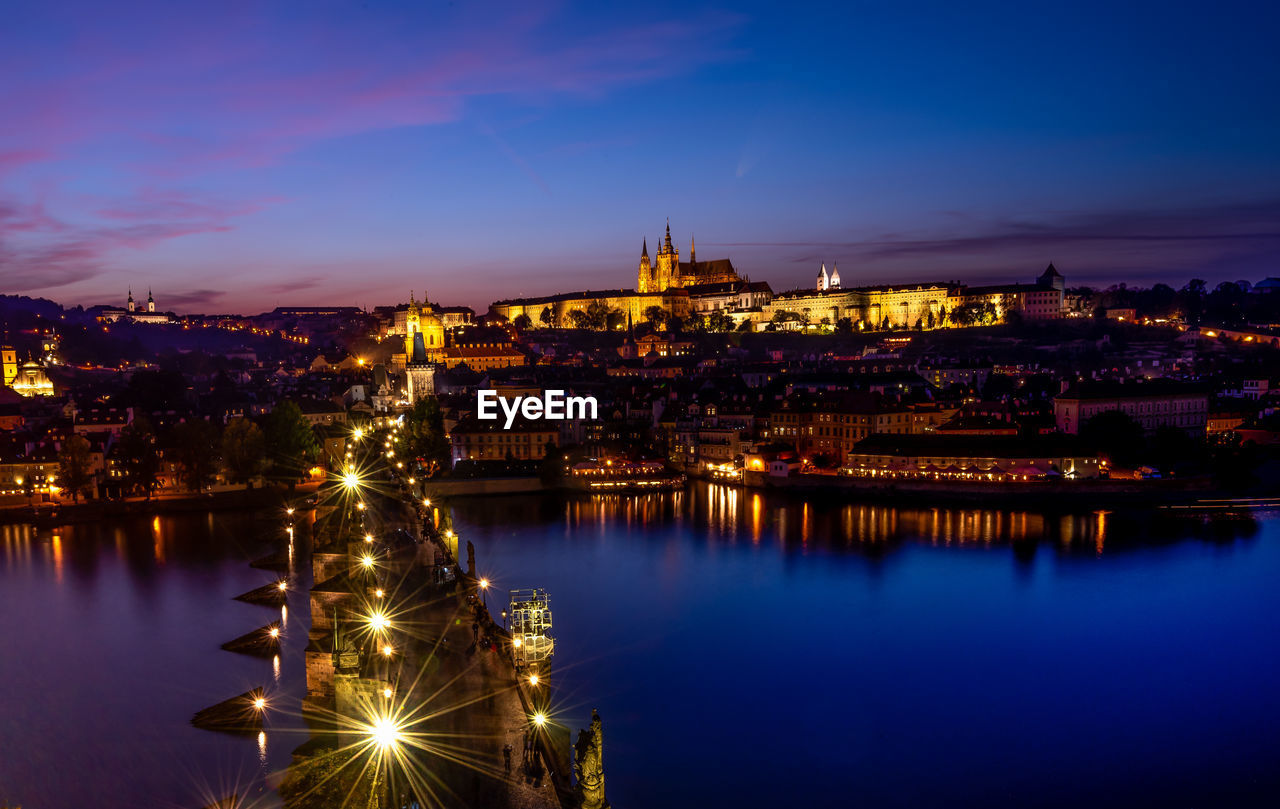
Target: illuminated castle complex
{"x":667,"y":270}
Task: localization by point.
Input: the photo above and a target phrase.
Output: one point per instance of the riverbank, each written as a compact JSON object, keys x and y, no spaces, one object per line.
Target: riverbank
{"x":61,"y":513}
{"x":1048,"y":494}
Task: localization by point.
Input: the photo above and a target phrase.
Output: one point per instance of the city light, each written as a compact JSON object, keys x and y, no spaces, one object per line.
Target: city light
{"x":368,"y":537}
{"x":366,"y":560}
{"x":379,"y":621}
{"x":387,"y":692}
{"x":484,"y":584}
{"x":387,"y":650}
{"x":351,"y":480}
{"x":533,"y":679}
{"x":274,"y":632}
{"x":516,"y":642}
{"x":539,"y":719}
{"x":282,"y":585}
{"x":379,"y":592}
{"x":259,"y":703}
{"x":385,"y":732}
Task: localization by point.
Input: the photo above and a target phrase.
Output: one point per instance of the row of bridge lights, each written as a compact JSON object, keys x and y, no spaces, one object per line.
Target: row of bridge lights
{"x":385,"y":731}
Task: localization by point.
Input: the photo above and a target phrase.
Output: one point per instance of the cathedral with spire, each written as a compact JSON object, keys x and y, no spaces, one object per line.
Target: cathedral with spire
{"x":667,"y":271}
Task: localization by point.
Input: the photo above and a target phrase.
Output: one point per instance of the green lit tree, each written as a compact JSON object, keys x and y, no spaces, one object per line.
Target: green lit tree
{"x":290,"y":443}
{"x":424,"y":432}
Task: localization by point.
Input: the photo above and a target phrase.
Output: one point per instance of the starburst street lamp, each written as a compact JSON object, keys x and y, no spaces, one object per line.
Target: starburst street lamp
{"x":379,"y":621}
{"x":385,"y":732}
{"x":540,"y":719}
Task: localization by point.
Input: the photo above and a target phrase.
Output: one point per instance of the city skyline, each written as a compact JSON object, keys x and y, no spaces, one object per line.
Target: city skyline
{"x":237,"y":160}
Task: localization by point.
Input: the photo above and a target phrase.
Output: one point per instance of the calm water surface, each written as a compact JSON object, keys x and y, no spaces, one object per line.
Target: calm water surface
{"x":111,"y":638}
{"x":742,"y":651}
{"x":746,"y":652}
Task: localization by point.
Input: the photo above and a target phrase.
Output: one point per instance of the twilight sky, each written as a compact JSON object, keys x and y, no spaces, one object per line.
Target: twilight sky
{"x":239,"y":156}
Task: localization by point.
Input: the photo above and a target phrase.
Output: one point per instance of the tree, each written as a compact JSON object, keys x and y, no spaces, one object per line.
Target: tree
{"x":290,"y":443}
{"x":73,"y":467}
{"x":578,"y":319}
{"x":552,"y":468}
{"x":141,"y":459}
{"x":196,"y":442}
{"x":844,"y":325}
{"x":598,"y":315}
{"x":424,"y":431}
{"x":718,"y":321}
{"x":523,"y":322}
{"x":243,"y":450}
{"x":930,"y":320}
{"x":1116,"y":436}
{"x":657,"y":316}
{"x":1191,"y":300}
{"x":546,"y":317}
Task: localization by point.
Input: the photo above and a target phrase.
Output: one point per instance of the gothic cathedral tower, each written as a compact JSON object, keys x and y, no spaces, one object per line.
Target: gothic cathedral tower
{"x":644,"y":279}
{"x":668,"y":268}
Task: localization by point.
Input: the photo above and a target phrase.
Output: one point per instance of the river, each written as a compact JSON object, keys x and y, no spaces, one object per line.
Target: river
{"x":743,"y":651}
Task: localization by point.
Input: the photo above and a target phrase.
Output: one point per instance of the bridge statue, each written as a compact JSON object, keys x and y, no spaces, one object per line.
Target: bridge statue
{"x":471,"y":559}
{"x":588,"y":765}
